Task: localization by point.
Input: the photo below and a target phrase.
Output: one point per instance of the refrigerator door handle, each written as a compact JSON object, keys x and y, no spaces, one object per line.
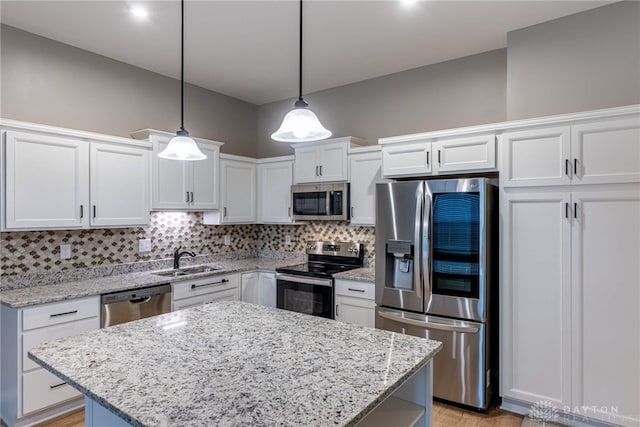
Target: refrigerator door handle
{"x":400,"y":318}
{"x":425,"y":256}
{"x":417,"y":276}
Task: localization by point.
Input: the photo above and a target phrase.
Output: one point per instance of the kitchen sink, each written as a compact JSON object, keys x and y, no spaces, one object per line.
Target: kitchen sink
{"x":185,"y":271}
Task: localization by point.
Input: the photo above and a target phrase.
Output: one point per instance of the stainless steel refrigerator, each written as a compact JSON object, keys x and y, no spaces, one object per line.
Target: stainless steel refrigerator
{"x":436,"y":277}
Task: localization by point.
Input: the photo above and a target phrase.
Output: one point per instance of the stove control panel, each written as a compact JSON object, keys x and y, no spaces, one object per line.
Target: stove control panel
{"x":348,"y":249}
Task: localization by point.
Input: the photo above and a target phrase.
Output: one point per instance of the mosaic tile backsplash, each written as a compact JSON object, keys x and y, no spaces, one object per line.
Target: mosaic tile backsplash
{"x":38,"y":251}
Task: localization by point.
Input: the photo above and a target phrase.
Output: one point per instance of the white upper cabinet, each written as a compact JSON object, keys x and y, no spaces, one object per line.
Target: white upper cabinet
{"x":473,"y":153}
{"x":183,"y":185}
{"x":598,"y":152}
{"x":323,"y":161}
{"x":275,"y":177}
{"x":238,"y":184}
{"x":119,"y":185}
{"x":67,"y":182}
{"x":406,"y":159}
{"x":365,"y":171}
{"x":422,"y":156}
{"x":46,"y":181}
{"x":606,"y":151}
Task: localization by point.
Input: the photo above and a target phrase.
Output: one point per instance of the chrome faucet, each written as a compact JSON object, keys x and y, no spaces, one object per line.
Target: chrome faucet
{"x":177,"y":254}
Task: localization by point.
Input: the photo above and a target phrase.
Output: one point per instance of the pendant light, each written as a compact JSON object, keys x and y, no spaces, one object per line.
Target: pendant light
{"x":182,"y":146}
{"x":300,"y":124}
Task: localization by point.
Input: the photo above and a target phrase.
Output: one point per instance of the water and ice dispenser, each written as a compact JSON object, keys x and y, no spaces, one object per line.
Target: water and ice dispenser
{"x":399,"y":264}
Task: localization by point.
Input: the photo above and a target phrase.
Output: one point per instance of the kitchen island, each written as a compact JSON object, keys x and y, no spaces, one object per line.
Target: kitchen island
{"x":233,"y":363}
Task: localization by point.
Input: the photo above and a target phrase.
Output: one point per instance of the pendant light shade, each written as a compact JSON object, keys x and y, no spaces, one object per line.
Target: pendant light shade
{"x":182,"y":146}
{"x":300,"y":124}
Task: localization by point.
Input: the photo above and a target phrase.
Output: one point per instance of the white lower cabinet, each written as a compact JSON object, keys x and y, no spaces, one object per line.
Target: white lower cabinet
{"x":355,"y":302}
{"x":191,"y":293}
{"x":259,"y":288}
{"x":30,"y":394}
{"x":569,"y":303}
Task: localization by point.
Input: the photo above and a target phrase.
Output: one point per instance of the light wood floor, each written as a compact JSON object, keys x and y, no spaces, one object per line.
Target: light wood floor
{"x":443,"y":416}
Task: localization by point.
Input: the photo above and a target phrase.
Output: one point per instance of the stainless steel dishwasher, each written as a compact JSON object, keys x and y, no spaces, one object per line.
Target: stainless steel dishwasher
{"x":122,"y":307}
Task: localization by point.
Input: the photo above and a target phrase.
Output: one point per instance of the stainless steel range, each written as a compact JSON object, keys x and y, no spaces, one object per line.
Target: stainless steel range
{"x":308,"y":288}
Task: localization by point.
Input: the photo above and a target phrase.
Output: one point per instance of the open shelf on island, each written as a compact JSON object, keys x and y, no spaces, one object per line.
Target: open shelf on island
{"x":393,"y":412}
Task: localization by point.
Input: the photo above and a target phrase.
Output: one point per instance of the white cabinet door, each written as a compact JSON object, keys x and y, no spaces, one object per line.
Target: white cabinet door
{"x":46,"y":181}
{"x":357,"y":311}
{"x":606,"y":151}
{"x":268,"y":293}
{"x":365,"y":171}
{"x":119,"y":185}
{"x":606,"y":294}
{"x":250,"y":288}
{"x":170,"y":189}
{"x":306,"y":166}
{"x":537,"y":157}
{"x":274,"y":194}
{"x":536,"y":298}
{"x":406,"y":159}
{"x":333,"y":162}
{"x":476,"y":153}
{"x":204,"y":179}
{"x":238,"y":183}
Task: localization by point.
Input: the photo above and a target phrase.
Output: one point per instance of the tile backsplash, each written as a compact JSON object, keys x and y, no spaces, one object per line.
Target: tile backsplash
{"x":39,"y":251}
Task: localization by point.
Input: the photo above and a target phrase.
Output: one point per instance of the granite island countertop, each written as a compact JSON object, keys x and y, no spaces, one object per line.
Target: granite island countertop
{"x":234,"y":363}
{"x":42,"y":294}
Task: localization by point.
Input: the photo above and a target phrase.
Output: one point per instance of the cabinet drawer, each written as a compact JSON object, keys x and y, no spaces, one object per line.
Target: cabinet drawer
{"x":41,"y":389}
{"x":355,"y":289}
{"x":60,"y":312}
{"x":226,"y":295}
{"x":32,"y":338}
{"x":205,"y":285}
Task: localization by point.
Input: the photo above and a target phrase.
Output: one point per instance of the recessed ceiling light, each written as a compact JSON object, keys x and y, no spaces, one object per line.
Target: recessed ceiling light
{"x":139,"y":12}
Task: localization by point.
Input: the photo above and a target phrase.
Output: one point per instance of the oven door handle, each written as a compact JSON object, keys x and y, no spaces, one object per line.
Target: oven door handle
{"x":400,"y":318}
{"x":304,"y":279}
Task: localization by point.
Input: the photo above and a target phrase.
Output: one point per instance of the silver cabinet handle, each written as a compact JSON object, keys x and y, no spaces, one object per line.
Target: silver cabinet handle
{"x":566,"y":210}
{"x":94,"y":211}
{"x":187,"y":197}
{"x":52,"y":387}
{"x":575,"y":167}
{"x":351,"y":211}
{"x":81,"y":211}
{"x":63,"y":314}
{"x":289,"y":211}
{"x":316,"y":170}
{"x":192,"y":197}
{"x":224,"y":212}
{"x":320,"y":170}
{"x":566,"y":167}
{"x":575,"y":210}
{"x":438,"y":156}
{"x":356,"y":290}
{"x":427,"y":158}
{"x":337,"y":314}
{"x":209,"y":284}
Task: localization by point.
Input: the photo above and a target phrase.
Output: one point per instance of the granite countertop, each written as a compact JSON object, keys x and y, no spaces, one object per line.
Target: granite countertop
{"x":366,"y":274}
{"x":42,"y":294}
{"x":234,"y":363}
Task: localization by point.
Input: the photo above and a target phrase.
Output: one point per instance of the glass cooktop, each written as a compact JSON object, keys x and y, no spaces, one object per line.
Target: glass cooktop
{"x":315,"y":269}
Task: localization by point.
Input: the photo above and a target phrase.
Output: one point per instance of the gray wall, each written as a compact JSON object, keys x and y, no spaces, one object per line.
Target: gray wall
{"x":586,"y":61}
{"x":461,"y":92}
{"x":48,"y":82}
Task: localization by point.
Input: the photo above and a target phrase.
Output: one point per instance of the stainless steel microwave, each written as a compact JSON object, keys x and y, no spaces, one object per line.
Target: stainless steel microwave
{"x":314,"y":202}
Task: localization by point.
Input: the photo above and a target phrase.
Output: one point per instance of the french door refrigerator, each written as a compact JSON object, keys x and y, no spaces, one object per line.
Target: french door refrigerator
{"x":436,"y":263}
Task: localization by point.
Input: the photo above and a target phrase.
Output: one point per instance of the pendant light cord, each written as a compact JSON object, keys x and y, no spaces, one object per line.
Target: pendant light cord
{"x":182,"y":68}
{"x":300,"y":70}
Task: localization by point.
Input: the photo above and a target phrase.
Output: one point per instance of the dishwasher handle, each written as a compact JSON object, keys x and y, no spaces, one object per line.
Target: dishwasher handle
{"x":140,"y":300}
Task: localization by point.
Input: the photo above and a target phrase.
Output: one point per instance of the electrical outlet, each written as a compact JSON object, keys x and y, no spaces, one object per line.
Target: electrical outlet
{"x":227,"y":240}
{"x":287,"y":239}
{"x":144,"y":245}
{"x":65,"y":251}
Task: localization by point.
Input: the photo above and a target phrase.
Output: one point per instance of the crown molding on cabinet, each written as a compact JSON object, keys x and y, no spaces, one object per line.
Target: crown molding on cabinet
{"x":525,"y":123}
{"x":9,"y":124}
{"x":144,"y":134}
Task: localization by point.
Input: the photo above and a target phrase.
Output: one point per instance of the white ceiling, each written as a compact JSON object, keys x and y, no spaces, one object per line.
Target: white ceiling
{"x":249,"y":49}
